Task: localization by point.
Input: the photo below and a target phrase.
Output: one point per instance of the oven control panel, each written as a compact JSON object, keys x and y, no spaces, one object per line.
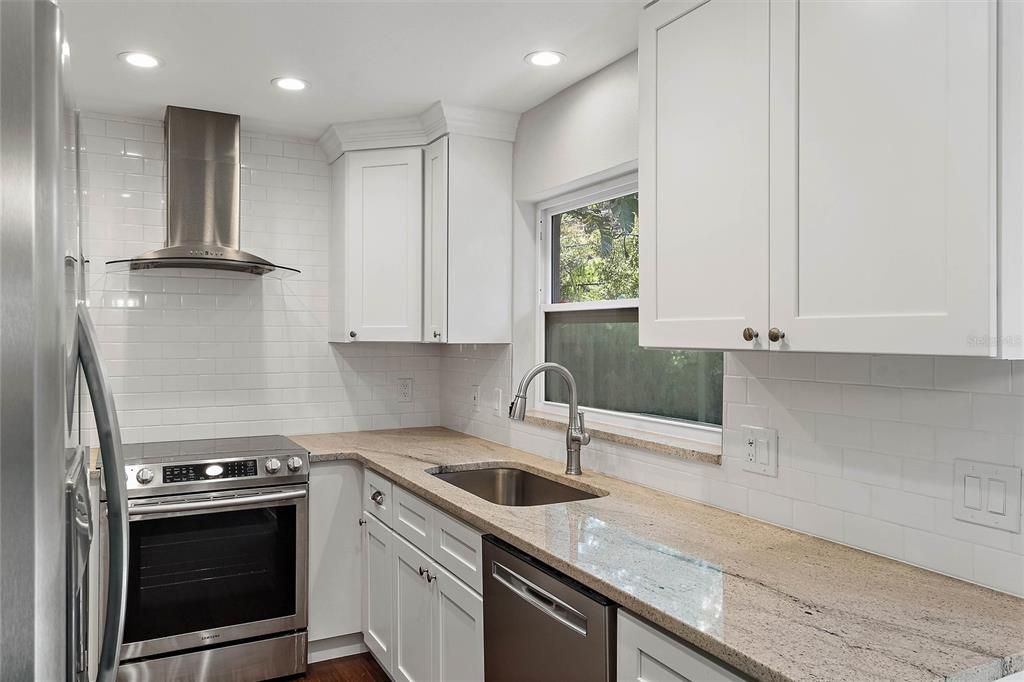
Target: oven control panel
{"x":182,"y":473}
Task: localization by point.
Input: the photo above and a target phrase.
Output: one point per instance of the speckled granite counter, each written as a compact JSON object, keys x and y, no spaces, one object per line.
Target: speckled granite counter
{"x":776,"y":604}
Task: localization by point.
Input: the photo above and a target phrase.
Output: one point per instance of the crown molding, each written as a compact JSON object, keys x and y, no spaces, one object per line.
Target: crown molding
{"x":413,"y":131}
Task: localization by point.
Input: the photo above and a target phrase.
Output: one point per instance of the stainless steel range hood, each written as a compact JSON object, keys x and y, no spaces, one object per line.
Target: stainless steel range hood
{"x":202,"y":162}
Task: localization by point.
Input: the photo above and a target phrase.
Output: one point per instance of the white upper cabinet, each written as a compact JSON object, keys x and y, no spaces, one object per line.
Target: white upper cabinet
{"x":883,"y":221}
{"x":826,"y":174}
{"x":468,"y":240}
{"x":377,"y":246}
{"x":435,"y":242}
{"x":421,"y":234}
{"x":704,"y":174}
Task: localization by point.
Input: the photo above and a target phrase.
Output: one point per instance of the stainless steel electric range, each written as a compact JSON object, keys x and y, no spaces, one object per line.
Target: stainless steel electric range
{"x":217,"y":560}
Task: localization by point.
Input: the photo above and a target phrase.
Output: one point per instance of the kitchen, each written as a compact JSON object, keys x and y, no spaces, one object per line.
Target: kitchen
{"x":794,"y":456}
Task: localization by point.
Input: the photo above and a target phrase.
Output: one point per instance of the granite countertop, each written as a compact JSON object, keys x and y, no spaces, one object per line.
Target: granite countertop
{"x":776,"y":604}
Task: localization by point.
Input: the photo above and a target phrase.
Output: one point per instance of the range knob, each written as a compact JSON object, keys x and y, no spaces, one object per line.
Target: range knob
{"x":272,"y":465}
{"x":294,"y":463}
{"x":144,"y":476}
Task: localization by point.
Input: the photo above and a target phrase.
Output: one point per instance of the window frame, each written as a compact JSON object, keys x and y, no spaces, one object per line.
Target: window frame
{"x":602,"y":191}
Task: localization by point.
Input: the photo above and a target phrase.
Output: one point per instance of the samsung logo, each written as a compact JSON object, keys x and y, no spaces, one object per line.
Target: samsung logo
{"x":208,"y":637}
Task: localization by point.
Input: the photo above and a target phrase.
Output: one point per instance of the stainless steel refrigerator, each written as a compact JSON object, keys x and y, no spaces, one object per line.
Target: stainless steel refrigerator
{"x":48,"y":365}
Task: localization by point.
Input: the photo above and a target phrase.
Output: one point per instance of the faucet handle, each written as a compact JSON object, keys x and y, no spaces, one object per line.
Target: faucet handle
{"x":584,"y":435}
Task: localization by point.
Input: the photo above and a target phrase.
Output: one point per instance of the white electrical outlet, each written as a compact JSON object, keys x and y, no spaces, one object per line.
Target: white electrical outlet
{"x":499,"y":404}
{"x":987,"y":494}
{"x":405,"y":390}
{"x":760,"y":450}
{"x":476,"y":398}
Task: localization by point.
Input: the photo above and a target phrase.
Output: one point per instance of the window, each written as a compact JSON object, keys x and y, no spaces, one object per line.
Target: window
{"x":589,"y":308}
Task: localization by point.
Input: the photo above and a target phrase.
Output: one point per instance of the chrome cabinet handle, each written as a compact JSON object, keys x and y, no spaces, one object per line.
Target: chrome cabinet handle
{"x":776,"y":334}
{"x":377,"y":497}
{"x":749,"y":334}
{"x":109,"y":433}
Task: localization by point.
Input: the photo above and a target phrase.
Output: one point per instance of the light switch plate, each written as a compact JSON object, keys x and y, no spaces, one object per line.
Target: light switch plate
{"x":499,"y":403}
{"x":760,"y":450}
{"x":987,"y":494}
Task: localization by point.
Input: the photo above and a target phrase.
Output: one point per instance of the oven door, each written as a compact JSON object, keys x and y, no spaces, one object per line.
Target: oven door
{"x":209,"y":569}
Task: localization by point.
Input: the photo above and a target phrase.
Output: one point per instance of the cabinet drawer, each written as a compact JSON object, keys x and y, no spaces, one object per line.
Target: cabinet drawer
{"x":457,"y":547}
{"x":645,"y":653}
{"x":377,"y":504}
{"x":413,"y":519}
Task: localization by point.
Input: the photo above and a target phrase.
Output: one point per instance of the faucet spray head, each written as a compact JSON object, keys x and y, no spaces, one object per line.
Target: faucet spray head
{"x":517,"y":409}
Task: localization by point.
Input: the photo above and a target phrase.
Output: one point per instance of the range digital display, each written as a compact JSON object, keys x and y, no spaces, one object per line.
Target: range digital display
{"x":183,"y":473}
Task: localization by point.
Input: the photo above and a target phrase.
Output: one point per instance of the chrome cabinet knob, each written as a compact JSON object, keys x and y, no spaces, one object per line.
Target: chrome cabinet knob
{"x":749,"y":334}
{"x":430,"y":578}
{"x":776,"y":334}
{"x":144,"y":476}
{"x":362,"y":522}
{"x":377,"y":497}
{"x":272,"y":465}
{"x":294,"y":463}
{"x":437,"y":335}
{"x":352,"y":334}
{"x":422,"y":571}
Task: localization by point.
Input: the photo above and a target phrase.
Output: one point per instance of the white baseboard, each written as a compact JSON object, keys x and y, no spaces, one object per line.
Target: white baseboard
{"x":336,"y":647}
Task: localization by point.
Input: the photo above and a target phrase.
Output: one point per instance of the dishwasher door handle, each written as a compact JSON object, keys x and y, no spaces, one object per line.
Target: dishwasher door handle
{"x":539,"y":598}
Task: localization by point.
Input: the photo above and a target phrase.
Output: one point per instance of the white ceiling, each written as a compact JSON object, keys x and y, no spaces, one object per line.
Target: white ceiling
{"x":364,"y":59}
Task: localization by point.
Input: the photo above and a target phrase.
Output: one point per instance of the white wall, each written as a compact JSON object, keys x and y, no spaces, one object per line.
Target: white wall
{"x":866,"y":443}
{"x":198,"y":354}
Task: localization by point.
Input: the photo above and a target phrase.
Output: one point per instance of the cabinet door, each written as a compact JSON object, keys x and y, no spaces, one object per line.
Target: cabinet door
{"x":414,"y":609}
{"x":384,"y":244}
{"x":459,"y":623}
{"x":883,"y":175}
{"x":704,"y":174}
{"x":435,"y":242}
{"x":378,"y":583}
{"x":644,"y":654}
{"x":335,"y":549}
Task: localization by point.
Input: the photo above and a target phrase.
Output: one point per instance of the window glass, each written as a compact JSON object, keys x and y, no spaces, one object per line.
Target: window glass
{"x":601,"y":349}
{"x":595,"y":252}
{"x":595,"y":262}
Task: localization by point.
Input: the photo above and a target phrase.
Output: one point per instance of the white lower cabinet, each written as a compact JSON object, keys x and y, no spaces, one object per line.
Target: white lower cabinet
{"x":414,"y":607}
{"x":335,"y":555}
{"x":421,"y":621}
{"x":378,"y":601}
{"x":458,"y":630}
{"x":645,"y":654}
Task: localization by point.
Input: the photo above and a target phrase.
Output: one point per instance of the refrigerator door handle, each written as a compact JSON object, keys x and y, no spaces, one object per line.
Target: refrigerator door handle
{"x":109,"y":434}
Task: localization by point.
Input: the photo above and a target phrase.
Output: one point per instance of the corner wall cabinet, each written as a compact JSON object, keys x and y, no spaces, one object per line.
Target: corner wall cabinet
{"x":423,"y":612}
{"x":842,"y":194}
{"x":421,"y":239}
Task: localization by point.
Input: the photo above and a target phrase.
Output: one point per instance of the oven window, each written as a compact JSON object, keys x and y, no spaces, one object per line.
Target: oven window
{"x":203,"y":571}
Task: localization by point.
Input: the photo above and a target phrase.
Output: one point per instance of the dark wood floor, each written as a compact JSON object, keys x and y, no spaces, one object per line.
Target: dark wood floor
{"x":358,"y":668}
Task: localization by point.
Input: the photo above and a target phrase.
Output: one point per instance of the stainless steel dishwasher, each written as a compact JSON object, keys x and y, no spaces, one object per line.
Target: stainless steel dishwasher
{"x":541,"y":625}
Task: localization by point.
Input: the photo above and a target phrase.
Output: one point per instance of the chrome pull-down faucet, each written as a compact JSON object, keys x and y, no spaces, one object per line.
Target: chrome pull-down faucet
{"x":576,"y":435}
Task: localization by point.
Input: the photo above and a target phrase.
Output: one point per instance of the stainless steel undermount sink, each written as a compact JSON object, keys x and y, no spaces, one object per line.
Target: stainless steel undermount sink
{"x":513,"y":487}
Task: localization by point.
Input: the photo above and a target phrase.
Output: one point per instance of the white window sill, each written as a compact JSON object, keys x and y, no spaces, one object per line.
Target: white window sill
{"x":694,"y":443}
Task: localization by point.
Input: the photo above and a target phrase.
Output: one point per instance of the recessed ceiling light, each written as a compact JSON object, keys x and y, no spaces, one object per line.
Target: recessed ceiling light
{"x":544,"y":58}
{"x":289,"y":83}
{"x":140,"y":59}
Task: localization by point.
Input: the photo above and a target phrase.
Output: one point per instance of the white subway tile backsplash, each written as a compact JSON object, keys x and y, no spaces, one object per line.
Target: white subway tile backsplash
{"x":872,"y":467}
{"x":847,"y":369}
{"x":977,"y":375}
{"x":874,"y":535}
{"x":938,"y":408}
{"x":198,"y":354}
{"x":903,"y":371}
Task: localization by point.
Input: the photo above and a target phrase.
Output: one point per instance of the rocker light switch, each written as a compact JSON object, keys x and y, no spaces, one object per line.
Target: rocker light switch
{"x":987,"y":494}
